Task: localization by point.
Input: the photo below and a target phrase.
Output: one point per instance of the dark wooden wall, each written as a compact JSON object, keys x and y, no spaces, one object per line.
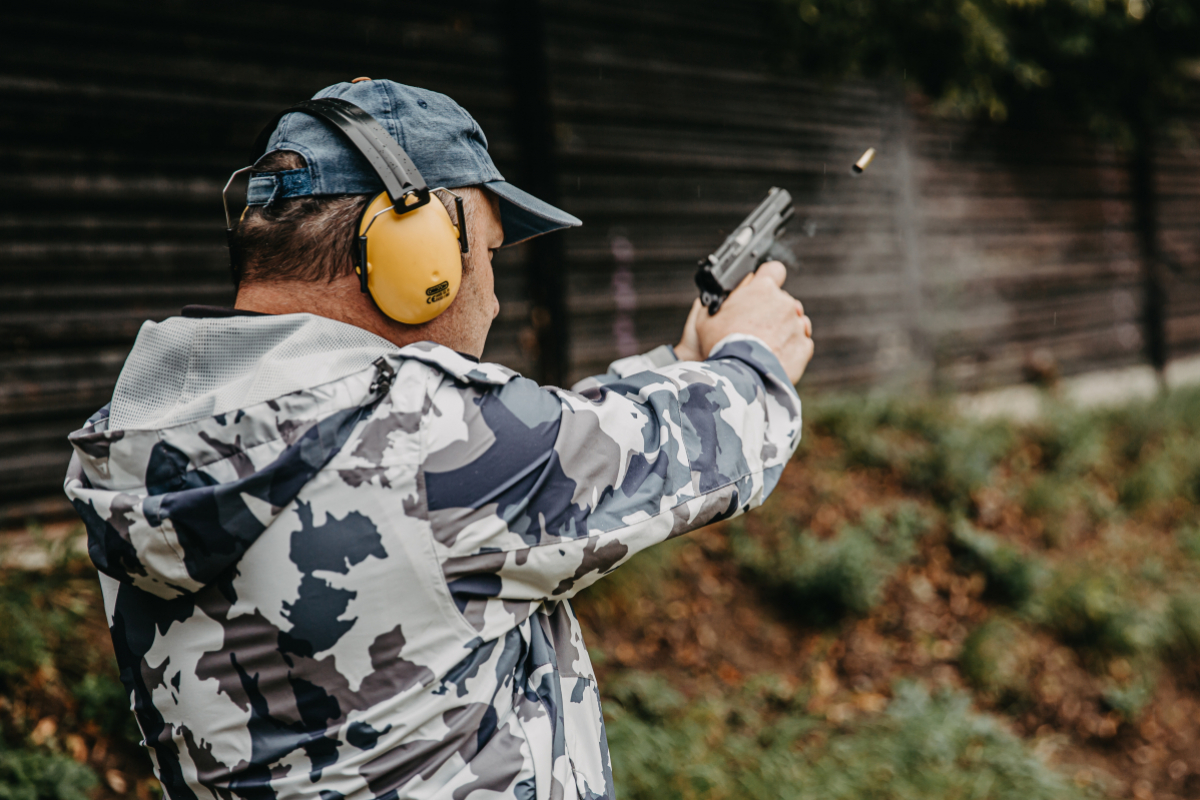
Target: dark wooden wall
{"x":121,"y":122}
{"x":670,"y":133}
{"x":1029,"y":259}
{"x":1178,"y":195}
{"x":968,"y":256}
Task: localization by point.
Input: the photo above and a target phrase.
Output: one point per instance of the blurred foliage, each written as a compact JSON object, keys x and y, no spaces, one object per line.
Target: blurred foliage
{"x":1115,"y":64}
{"x":1012,"y":577}
{"x":929,"y":447}
{"x":997,"y":659}
{"x":1189,"y":541}
{"x":821,"y":580}
{"x":1183,"y":641}
{"x":1099,"y":463}
{"x":1095,"y":609}
{"x":39,"y":775}
{"x":1085,"y":590}
{"x":1070,"y":570}
{"x":65,"y":719}
{"x":758,"y":741}
{"x":1102,"y":475}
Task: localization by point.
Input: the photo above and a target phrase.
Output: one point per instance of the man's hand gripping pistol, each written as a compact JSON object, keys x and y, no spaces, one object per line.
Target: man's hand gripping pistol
{"x":752,"y":243}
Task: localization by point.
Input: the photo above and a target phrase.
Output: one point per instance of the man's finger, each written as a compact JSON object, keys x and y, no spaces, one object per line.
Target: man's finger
{"x":773,"y":271}
{"x":689,"y":326}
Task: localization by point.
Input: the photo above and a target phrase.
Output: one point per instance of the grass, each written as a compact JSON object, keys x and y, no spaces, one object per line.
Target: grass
{"x":759,"y":741}
{"x":66,"y":728}
{"x":927,"y":608}
{"x":1071,"y":550}
{"x":1183,"y":642}
{"x":997,"y":659}
{"x":823,"y":579}
{"x":31,"y":774}
{"x":1012,"y":577}
{"x":932,"y":450}
{"x":1095,"y":609}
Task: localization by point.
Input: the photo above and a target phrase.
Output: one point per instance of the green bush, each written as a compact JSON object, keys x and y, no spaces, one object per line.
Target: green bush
{"x":1184,"y":641}
{"x":855,"y":421}
{"x":649,"y":695}
{"x":958,"y":461}
{"x":40,"y":616}
{"x":934,"y":746}
{"x":1153,"y":453}
{"x":23,"y":644}
{"x":1130,"y":697}
{"x":102,"y":699}
{"x":1012,"y":577}
{"x":1189,"y":541}
{"x":37,"y":775}
{"x":1072,"y":443}
{"x":759,"y":743}
{"x":1094,"y":610}
{"x":821,"y":580}
{"x":56,"y":662}
{"x":1046,"y":498}
{"x":879,"y":431}
{"x":997,"y":658}
{"x":1152,"y":479}
{"x":928,"y":446}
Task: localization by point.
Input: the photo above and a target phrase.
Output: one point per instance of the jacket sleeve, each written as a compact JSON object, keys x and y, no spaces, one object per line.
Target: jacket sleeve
{"x":661,"y":356}
{"x":538,"y":493}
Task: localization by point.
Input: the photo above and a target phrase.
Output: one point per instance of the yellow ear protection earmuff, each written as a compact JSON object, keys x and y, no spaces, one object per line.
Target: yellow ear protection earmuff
{"x":408,"y":250}
{"x":413,"y":267}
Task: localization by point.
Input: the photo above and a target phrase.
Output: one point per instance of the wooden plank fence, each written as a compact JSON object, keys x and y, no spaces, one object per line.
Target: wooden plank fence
{"x":968,"y":256}
{"x":121,"y":123}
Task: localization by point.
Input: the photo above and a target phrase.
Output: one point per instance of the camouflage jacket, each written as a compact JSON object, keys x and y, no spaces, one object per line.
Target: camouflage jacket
{"x":334,"y":568}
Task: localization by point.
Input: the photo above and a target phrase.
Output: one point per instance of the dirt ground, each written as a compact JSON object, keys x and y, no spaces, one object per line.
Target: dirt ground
{"x":703,"y":625}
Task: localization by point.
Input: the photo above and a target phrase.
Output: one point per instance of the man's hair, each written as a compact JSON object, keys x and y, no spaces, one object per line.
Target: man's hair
{"x":301,"y":238}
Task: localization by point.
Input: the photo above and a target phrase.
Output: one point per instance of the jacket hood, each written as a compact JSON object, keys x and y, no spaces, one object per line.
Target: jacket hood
{"x":218,"y":433}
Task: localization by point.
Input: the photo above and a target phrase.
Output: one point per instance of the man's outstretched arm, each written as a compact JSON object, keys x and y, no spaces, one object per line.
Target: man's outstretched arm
{"x":560,"y":488}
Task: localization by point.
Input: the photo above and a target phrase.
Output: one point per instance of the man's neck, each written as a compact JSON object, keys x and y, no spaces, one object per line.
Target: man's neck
{"x":340,"y":299}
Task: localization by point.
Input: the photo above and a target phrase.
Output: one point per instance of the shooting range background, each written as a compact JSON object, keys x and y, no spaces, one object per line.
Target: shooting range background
{"x":968,"y":256}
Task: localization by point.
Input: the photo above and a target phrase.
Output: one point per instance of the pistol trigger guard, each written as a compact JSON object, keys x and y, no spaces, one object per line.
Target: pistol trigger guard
{"x":783,"y":254}
{"x":714,"y":302}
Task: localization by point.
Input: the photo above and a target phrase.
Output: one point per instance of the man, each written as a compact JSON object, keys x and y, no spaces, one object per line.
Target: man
{"x":336,"y":550}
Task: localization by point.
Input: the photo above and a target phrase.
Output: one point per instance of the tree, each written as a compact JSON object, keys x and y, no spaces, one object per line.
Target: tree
{"x":1120,"y":66}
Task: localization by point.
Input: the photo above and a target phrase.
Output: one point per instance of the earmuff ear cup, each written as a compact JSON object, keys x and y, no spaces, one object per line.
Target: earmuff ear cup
{"x":414,"y":264}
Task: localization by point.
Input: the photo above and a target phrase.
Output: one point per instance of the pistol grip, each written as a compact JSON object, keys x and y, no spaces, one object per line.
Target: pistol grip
{"x":712,"y":293}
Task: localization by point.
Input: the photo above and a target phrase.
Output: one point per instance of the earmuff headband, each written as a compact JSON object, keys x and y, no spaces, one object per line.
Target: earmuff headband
{"x":402,"y":181}
{"x":418,"y":268}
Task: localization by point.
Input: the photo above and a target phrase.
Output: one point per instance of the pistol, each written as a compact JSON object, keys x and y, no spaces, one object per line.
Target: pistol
{"x":753,"y":242}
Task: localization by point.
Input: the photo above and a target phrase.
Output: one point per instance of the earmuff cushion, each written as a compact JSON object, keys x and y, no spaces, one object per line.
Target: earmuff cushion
{"x":414,"y":264}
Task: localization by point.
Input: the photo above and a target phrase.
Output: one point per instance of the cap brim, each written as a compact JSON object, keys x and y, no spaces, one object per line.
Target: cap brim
{"x":524,"y":216}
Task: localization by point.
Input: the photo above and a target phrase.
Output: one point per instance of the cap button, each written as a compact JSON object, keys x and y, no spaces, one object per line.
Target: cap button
{"x":360,"y":80}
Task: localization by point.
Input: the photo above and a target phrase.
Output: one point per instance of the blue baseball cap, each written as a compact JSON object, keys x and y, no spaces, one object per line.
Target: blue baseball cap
{"x":442,"y":139}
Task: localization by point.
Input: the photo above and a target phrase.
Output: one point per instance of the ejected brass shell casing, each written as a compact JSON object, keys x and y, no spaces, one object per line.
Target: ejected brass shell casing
{"x":863,"y":162}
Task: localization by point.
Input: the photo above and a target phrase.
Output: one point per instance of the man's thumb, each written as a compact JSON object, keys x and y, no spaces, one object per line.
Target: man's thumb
{"x":773,"y":271}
